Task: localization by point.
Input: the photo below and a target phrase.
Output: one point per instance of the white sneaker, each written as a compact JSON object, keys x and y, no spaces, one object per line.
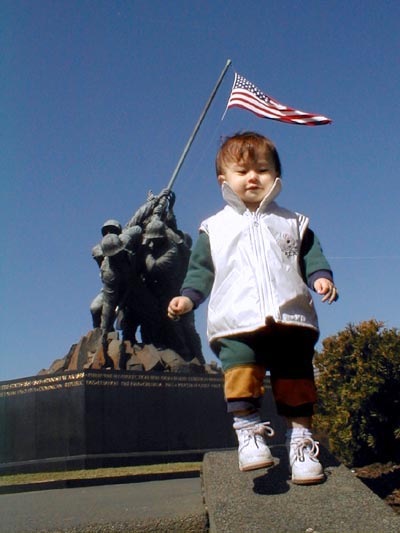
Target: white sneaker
{"x":303,"y":459}
{"x":253,"y":451}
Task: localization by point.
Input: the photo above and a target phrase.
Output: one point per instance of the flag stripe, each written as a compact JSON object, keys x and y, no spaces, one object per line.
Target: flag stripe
{"x":244,"y":100}
{"x":246,"y":95}
{"x":283,"y":117}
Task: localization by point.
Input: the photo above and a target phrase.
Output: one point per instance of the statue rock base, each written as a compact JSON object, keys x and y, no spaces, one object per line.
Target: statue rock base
{"x":90,"y":353}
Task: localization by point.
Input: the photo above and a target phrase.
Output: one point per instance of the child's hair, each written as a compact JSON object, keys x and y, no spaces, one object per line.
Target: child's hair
{"x":244,"y":146}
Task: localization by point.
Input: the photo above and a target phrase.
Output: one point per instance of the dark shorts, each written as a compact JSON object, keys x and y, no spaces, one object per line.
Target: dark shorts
{"x":286,"y":351}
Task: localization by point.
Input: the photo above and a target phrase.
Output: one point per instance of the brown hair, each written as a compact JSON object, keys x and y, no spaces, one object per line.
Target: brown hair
{"x":244,"y":146}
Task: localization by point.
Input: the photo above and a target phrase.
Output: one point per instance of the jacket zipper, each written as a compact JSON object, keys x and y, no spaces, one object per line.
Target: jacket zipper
{"x":263,"y":272}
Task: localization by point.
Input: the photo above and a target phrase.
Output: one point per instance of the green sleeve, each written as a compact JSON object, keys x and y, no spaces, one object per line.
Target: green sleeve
{"x":311,"y":256}
{"x":200,"y":274}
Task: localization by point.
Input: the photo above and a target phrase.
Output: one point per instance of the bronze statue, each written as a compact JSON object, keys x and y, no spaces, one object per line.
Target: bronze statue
{"x":142,"y":267}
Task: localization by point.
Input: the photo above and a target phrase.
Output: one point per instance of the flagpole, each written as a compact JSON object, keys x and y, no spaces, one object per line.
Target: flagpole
{"x":196,"y":128}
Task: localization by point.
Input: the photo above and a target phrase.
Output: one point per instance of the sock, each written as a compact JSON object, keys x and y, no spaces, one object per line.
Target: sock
{"x":251,"y":419}
{"x":298,"y":433}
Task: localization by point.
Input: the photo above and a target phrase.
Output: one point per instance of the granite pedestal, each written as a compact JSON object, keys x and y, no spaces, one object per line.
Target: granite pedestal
{"x":97,"y":418}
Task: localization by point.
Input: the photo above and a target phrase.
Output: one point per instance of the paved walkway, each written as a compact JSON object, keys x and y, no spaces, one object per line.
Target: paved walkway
{"x":174,"y":505}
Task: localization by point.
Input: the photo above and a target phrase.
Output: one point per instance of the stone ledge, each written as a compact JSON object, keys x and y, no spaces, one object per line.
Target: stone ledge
{"x":267,"y":502}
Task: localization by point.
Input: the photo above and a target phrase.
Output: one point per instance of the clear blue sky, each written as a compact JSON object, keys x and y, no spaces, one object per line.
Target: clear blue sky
{"x":99,"y":99}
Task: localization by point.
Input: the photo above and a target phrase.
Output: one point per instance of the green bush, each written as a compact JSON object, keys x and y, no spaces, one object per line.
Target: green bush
{"x":358,"y":379}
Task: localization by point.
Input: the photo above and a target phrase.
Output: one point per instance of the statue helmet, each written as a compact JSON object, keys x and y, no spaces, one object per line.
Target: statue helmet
{"x":131,"y":236}
{"x":154,"y":229}
{"x":111,"y":226}
{"x":111,"y":245}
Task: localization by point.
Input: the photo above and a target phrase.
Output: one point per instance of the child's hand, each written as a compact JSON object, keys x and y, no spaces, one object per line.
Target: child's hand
{"x":327,"y":288}
{"x":179,"y":306}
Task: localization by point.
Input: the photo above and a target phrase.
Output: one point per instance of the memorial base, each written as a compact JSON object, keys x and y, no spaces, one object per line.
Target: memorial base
{"x":97,"y":418}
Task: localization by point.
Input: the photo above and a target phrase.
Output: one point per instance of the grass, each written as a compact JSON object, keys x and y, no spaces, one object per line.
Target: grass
{"x":41,"y":477}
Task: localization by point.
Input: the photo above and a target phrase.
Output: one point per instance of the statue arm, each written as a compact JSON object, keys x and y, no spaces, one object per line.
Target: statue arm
{"x":165,"y":263}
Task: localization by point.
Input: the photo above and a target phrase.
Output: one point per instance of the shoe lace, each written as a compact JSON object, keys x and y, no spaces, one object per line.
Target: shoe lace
{"x":262,"y":429}
{"x":306,"y":444}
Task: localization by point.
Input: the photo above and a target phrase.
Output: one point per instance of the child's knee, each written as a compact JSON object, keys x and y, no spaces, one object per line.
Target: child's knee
{"x":244,"y":381}
{"x":294,"y":397}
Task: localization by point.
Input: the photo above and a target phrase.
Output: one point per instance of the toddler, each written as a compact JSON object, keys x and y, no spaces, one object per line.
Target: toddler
{"x":257,"y":261}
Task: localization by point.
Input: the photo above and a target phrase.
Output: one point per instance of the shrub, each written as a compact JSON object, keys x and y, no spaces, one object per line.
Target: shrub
{"x":359,"y":393}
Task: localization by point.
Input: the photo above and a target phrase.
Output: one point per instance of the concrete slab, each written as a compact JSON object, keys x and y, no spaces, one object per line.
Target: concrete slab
{"x":265,"y":501}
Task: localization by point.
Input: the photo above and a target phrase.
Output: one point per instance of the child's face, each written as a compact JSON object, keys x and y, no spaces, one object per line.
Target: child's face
{"x":250,"y":179}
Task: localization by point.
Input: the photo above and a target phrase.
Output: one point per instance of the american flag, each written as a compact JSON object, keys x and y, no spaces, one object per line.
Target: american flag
{"x":246,"y":95}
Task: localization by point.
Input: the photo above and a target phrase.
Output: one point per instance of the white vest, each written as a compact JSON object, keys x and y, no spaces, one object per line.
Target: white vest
{"x":257,"y":271}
